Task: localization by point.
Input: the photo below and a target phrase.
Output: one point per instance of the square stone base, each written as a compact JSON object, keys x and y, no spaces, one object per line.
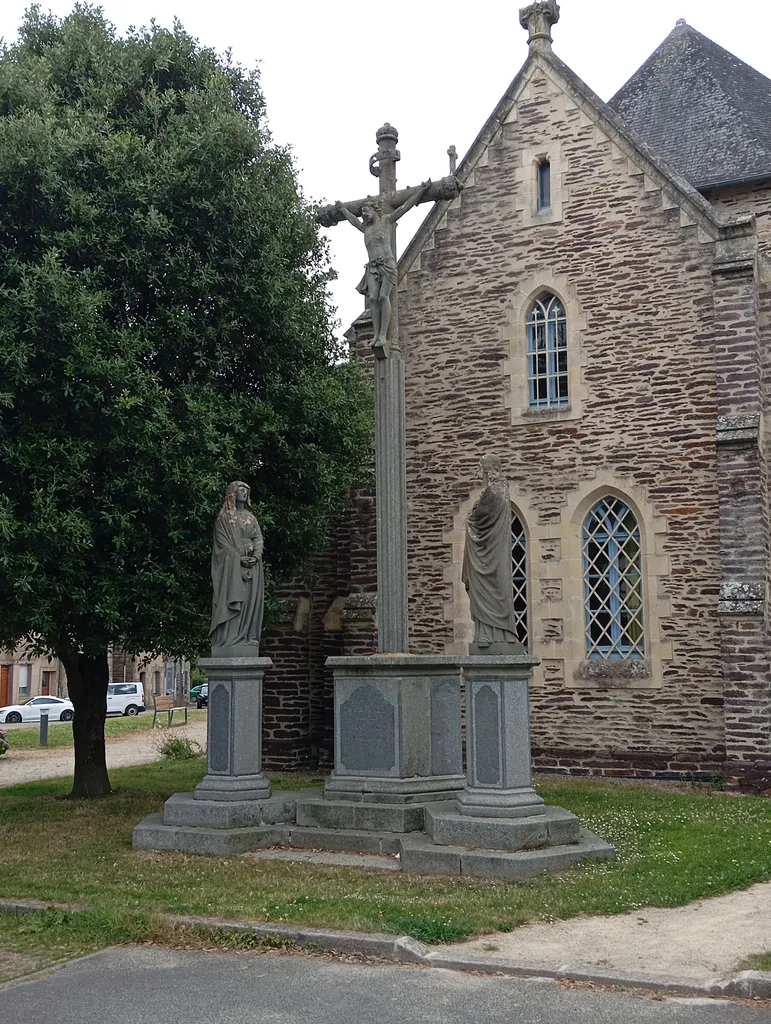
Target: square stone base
{"x":418,"y":854}
{"x":554,"y":826}
{"x":353,"y":815}
{"x":187,"y":809}
{"x":419,"y":789}
{"x":239,"y":788}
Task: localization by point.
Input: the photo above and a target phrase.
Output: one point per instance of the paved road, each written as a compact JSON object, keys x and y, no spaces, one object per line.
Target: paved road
{"x":145,"y":985}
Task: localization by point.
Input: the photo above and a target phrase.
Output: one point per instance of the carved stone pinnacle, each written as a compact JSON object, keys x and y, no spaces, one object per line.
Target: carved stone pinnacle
{"x":538,"y":19}
{"x":387,"y":132}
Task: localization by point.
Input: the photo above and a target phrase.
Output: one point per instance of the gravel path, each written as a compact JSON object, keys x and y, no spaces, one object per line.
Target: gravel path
{"x":703,"y":940}
{"x":135,"y":748}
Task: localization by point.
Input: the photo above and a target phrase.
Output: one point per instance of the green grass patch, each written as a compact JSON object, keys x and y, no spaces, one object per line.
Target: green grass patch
{"x":60,"y":733}
{"x":758,"y":962}
{"x":55,"y":935}
{"x":672,"y":848}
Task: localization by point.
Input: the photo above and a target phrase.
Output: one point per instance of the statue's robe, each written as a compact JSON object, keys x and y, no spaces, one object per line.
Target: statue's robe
{"x":487,"y":567}
{"x":239,"y":592}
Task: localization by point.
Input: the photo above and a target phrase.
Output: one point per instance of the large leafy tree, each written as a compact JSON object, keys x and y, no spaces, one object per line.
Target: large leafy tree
{"x":164,"y":328}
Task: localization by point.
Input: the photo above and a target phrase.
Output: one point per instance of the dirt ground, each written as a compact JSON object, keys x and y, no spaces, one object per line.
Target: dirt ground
{"x":134,"y":748}
{"x":706,"y":939}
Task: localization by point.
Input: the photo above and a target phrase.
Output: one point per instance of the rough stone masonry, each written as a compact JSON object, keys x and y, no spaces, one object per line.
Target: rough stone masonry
{"x":667,"y":292}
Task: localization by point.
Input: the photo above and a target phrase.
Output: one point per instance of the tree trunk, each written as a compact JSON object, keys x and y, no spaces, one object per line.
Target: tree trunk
{"x":87,"y":679}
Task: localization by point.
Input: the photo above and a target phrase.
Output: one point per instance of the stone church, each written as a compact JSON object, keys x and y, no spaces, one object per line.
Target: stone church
{"x":595,"y":309}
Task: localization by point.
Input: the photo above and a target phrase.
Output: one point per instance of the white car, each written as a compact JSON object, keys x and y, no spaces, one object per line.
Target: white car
{"x":125,"y":699}
{"x":59,"y":710}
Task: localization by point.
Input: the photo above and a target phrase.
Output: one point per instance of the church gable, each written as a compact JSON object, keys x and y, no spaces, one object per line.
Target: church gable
{"x":545,"y":75}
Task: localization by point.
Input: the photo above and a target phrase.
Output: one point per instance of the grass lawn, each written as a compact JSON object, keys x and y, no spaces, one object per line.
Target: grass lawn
{"x":673,"y":848}
{"x":60,"y":733}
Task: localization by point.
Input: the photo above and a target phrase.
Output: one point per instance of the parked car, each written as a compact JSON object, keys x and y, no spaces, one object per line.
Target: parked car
{"x":202,"y":700}
{"x":195,"y":690}
{"x":125,"y":698}
{"x":59,"y":710}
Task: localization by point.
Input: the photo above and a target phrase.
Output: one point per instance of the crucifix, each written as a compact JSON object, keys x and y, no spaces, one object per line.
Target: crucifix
{"x":376,"y":217}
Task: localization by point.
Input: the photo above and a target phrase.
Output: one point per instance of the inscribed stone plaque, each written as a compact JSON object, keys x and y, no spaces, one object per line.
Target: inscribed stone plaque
{"x":367,"y":732}
{"x":487,"y":732}
{"x":446,"y":753}
{"x":219,"y":729}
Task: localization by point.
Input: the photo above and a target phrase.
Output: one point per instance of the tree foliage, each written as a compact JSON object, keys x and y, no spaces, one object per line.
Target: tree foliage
{"x":164,"y":328}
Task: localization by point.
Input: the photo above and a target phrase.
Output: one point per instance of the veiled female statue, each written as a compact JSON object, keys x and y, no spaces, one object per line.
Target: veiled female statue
{"x":487,"y":565}
{"x":237,"y":575}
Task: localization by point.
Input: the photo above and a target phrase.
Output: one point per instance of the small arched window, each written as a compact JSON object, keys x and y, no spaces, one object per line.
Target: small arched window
{"x":544,"y":185}
{"x":519,"y":576}
{"x":613,"y":582}
{"x":547,"y":353}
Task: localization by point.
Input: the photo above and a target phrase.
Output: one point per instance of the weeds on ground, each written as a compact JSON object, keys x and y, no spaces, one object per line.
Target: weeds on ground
{"x":177,"y":747}
{"x":758,"y":962}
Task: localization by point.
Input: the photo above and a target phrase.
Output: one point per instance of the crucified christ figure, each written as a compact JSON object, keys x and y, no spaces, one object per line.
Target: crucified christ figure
{"x":380,"y":273}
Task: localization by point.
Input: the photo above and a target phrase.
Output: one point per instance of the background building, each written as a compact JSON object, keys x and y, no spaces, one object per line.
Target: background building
{"x":22,"y":677}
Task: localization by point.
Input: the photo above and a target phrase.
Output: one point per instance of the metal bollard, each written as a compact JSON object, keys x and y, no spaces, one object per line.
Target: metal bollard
{"x":44,"y":728}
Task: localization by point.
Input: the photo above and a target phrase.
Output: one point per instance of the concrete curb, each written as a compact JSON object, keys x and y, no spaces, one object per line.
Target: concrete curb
{"x":403,"y":949}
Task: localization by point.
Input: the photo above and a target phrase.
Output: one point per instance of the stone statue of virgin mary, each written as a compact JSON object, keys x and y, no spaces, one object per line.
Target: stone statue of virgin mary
{"x":487,"y":565}
{"x":237,"y":576}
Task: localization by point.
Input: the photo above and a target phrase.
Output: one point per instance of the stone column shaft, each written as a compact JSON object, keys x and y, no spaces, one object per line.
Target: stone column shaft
{"x":391,"y":487}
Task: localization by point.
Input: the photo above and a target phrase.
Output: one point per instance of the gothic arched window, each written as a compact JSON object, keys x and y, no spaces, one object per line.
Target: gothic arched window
{"x":613,"y":582}
{"x":547,"y":353}
{"x":519,"y":576}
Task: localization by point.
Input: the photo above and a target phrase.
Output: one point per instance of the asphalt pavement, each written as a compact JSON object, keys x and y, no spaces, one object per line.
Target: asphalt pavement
{"x":149,"y":985}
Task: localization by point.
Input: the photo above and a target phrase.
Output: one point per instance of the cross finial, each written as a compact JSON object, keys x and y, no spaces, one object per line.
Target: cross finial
{"x":538,"y":19}
{"x":452,"y":153}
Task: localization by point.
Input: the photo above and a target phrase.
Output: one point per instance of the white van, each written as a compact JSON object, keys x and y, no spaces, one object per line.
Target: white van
{"x":125,"y":699}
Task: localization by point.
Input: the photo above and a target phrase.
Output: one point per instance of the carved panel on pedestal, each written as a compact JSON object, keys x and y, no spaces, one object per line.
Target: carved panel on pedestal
{"x":367,"y":732}
{"x":219,"y":729}
{"x":487,"y":727}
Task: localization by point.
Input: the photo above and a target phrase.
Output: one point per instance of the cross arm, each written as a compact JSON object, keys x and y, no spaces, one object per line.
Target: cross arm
{"x":444,"y":189}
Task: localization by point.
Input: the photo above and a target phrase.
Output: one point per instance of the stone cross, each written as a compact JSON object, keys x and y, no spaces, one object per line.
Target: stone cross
{"x":376,"y":217}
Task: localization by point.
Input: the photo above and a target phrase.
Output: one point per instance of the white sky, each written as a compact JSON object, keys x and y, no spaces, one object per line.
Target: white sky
{"x":334,"y":70}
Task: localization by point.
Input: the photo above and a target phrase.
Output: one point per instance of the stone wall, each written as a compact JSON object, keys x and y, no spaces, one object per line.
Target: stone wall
{"x":330,"y":612}
{"x":743,"y":451}
{"x":654,"y":325}
{"x":634,"y":272}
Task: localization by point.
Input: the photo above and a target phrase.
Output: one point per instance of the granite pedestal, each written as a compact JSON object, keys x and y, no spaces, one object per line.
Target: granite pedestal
{"x":234,"y":798}
{"x":398,"y":785}
{"x":234,"y":730}
{"x":499,"y":775}
{"x":498,"y":826}
{"x":397,"y":742}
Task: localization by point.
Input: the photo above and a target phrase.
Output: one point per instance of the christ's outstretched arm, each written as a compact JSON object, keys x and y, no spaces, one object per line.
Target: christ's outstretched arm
{"x":350,"y":217}
{"x":414,"y":199}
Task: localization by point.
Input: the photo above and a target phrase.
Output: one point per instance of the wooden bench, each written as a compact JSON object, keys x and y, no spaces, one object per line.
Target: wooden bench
{"x":165,"y":705}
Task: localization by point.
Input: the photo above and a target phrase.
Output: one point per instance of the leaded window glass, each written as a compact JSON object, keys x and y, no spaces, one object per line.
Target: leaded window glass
{"x":613,"y":582}
{"x":519,"y":576}
{"x":547,"y":353}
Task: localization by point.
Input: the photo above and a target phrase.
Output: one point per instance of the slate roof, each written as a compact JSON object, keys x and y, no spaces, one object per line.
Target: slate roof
{"x":704,"y":111}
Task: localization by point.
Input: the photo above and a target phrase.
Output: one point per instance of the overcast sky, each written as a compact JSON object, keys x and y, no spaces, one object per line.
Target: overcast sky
{"x":334,"y":70}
